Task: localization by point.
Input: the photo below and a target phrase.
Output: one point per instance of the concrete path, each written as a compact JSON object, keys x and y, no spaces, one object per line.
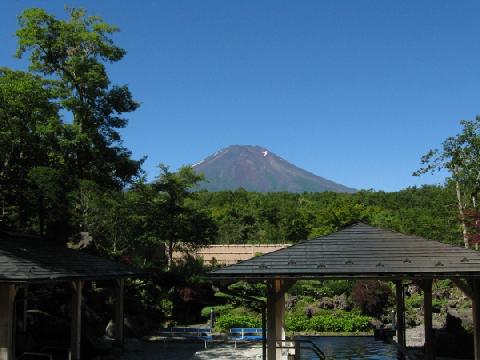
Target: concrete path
{"x":158,"y":350}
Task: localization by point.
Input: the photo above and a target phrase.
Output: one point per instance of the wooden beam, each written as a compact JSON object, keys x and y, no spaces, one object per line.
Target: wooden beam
{"x":400,"y":313}
{"x":464,"y":286}
{"x":429,"y":347}
{"x":76,"y":325}
{"x":476,"y":318}
{"x":119,"y":311}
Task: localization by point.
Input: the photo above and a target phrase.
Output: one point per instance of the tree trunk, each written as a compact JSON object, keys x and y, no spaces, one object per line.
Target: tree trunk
{"x":461,"y":207}
{"x":170,"y":254}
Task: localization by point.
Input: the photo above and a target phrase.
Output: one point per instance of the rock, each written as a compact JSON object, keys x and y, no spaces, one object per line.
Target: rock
{"x":452,"y":303}
{"x":291,"y":302}
{"x":110,"y":329}
{"x":326,"y":303}
{"x":340,"y":302}
{"x":375,"y":323}
{"x":441,"y":293}
{"x":412,"y":289}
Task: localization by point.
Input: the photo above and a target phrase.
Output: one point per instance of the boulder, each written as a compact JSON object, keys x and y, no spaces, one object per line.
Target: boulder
{"x":326,"y":303}
{"x":110,"y":329}
{"x":340,"y":302}
{"x":375,"y":323}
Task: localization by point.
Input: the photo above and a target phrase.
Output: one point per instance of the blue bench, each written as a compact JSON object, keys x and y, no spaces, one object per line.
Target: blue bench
{"x":246,"y":334}
{"x":204,"y":334}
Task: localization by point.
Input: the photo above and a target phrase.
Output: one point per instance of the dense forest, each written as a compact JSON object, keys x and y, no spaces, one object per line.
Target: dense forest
{"x":66,"y":177}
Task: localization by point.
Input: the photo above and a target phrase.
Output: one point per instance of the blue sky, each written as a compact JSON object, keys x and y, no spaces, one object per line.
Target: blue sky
{"x":355,"y":91}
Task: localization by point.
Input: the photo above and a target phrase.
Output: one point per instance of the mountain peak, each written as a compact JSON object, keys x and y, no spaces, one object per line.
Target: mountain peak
{"x":256,"y":168}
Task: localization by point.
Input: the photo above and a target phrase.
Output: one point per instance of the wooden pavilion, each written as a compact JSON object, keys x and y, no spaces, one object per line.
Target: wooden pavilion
{"x":362,"y":252}
{"x":25,"y":260}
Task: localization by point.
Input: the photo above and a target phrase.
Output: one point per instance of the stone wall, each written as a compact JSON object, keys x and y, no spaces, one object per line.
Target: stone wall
{"x":231,"y":254}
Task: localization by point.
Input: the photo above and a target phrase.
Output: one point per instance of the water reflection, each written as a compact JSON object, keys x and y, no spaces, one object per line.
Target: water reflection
{"x":354,"y":348}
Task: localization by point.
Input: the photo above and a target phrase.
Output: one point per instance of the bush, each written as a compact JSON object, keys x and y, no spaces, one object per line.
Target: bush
{"x":317,"y":289}
{"x":329,"y":321}
{"x":219,"y":310}
{"x":414,"y":301}
{"x":371,"y":296}
{"x":228,"y":321}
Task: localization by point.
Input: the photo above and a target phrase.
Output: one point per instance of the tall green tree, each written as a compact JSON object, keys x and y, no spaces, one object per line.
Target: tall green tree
{"x":181,"y":225}
{"x":73,"y":53}
{"x":31,"y":155}
{"x":460,"y":156}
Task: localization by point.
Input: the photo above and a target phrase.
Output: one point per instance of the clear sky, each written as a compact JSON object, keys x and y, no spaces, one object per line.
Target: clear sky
{"x":355,"y":91}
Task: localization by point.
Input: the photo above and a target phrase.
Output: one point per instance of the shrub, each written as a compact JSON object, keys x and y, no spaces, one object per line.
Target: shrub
{"x":370,"y":296}
{"x":414,"y":301}
{"x":329,"y":321}
{"x":219,"y":310}
{"x":297,"y":323}
{"x":228,"y":321}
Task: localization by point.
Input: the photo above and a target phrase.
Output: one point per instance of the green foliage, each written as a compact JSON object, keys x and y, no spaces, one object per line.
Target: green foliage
{"x":328,"y":321}
{"x":317,"y":289}
{"x":228,"y":321}
{"x":243,"y":217}
{"x":181,"y":225}
{"x":414,"y":301}
{"x":220,"y":310}
{"x":460,"y":156}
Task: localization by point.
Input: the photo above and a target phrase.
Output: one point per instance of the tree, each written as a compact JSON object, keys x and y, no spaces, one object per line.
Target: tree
{"x":73,"y":53}
{"x":460,"y":155}
{"x":181,"y":225}
{"x":30,"y":136}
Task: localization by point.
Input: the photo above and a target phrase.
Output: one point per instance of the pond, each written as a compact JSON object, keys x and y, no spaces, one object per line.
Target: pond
{"x":353,"y":347}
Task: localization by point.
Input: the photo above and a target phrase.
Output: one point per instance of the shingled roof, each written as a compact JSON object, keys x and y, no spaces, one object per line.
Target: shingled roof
{"x":28,"y":259}
{"x":359,"y":251}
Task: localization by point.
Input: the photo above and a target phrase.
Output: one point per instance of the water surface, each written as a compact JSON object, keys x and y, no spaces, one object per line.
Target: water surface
{"x":353,"y":347}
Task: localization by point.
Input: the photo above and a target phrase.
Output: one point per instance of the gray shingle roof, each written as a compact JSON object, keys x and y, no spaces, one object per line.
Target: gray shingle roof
{"x":359,"y":251}
{"x":27,"y":259}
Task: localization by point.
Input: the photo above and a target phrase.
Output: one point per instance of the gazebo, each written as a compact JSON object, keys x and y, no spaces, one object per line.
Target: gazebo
{"x":26,"y":260}
{"x":361,"y":251}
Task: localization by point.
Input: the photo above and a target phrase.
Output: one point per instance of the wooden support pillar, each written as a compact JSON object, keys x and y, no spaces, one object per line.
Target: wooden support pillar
{"x":24,"y":307}
{"x":400,"y":299}
{"x":119,"y":311}
{"x":275,"y":318}
{"x":427,"y":319}
{"x":76,"y":326}
{"x":7,"y":321}
{"x":280,"y":316}
{"x":476,"y":318}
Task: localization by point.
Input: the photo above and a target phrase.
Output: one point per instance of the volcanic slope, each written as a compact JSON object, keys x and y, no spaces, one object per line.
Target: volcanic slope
{"x":255,"y":168}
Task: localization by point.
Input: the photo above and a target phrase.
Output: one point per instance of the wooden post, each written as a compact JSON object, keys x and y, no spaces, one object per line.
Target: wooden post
{"x":275,"y":318}
{"x":119,"y":311}
{"x":427,"y":319}
{"x":476,"y":318}
{"x":280,"y":315}
{"x":25,"y":309}
{"x":7,"y":321}
{"x":264,"y":332}
{"x":271,"y":344}
{"x":400,"y":313}
{"x":76,"y":326}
